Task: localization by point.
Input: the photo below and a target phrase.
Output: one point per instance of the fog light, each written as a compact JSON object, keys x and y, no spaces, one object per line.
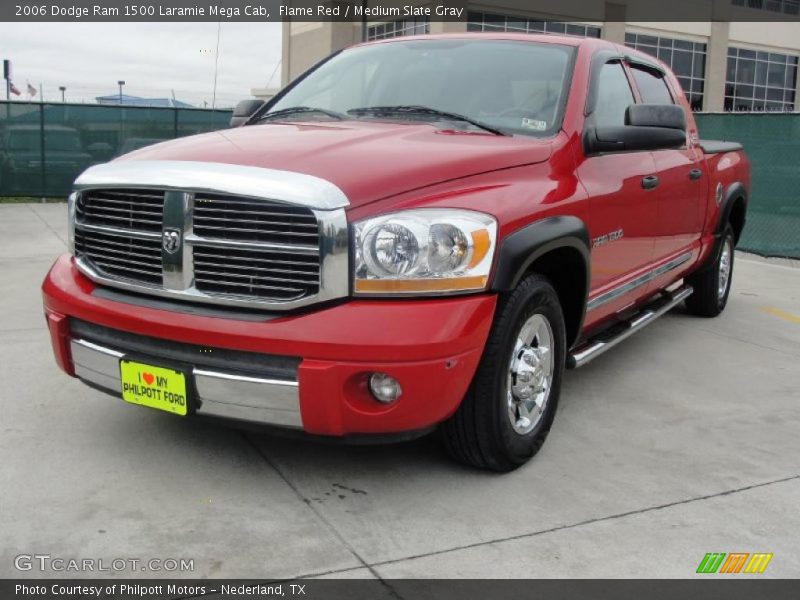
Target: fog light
{"x":386,"y":389}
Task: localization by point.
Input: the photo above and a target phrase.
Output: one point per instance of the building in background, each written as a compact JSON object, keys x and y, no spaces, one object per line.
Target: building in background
{"x":126,"y":100}
{"x":725,"y":63}
{"x":264,"y":93}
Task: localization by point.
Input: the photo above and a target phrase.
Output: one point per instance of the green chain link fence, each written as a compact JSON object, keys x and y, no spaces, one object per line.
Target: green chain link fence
{"x":772,"y":143}
{"x":44,"y":146}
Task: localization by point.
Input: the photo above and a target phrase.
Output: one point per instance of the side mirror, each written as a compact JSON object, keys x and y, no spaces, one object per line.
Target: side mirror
{"x":670,"y":116}
{"x":647,"y":127}
{"x":244,"y":110}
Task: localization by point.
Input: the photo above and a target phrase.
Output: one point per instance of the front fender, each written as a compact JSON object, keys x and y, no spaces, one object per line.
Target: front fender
{"x":519,"y":250}
{"x":558,"y":248}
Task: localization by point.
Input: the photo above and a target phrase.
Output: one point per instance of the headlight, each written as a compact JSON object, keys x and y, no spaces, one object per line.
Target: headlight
{"x":424,"y":251}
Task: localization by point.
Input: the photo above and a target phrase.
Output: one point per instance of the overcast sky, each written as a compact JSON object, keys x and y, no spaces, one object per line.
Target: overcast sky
{"x":152,"y":58}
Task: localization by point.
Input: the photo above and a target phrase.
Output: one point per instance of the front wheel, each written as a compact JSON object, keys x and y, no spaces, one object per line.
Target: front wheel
{"x":713,"y":285}
{"x":507,"y":412}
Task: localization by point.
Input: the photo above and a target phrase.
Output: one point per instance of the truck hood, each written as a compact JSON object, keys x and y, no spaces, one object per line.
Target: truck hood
{"x":368,"y":161}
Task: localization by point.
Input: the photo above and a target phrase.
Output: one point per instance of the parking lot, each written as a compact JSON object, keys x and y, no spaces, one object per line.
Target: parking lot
{"x":681,"y":441}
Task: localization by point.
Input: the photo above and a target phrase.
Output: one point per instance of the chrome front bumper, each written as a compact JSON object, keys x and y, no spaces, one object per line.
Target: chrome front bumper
{"x":226,"y":395}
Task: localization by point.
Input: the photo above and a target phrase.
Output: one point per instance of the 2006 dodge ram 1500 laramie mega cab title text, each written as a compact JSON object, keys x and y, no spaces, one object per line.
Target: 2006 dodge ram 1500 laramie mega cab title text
{"x":415,"y":233}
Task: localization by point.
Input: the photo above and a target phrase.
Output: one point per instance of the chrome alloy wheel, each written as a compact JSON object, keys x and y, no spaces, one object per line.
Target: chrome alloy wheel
{"x":530,"y":374}
{"x":725,"y":260}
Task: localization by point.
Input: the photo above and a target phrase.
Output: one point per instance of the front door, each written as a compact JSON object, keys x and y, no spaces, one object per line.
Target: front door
{"x":623,"y":203}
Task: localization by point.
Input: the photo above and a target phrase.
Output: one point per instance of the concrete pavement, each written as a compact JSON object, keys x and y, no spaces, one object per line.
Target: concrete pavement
{"x":683,"y":440}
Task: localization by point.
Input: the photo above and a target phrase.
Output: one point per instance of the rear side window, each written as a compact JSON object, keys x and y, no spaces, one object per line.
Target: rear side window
{"x":651,"y":86}
{"x":614,"y":96}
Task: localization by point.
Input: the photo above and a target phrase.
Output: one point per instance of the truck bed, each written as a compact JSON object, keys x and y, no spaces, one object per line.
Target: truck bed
{"x":718,"y":146}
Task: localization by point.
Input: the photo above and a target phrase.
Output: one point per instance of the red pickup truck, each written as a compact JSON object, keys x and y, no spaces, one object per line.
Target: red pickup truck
{"x":417,"y":233}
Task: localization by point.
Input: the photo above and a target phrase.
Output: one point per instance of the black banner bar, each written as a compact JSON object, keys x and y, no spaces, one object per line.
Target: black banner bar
{"x":389,"y":10}
{"x":747,"y":587}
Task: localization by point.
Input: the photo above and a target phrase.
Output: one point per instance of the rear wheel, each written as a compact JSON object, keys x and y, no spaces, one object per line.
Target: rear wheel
{"x":713,"y":285}
{"x":509,"y":408}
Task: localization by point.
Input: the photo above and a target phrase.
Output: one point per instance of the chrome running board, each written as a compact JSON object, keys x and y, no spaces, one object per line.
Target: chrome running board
{"x":593,"y":348}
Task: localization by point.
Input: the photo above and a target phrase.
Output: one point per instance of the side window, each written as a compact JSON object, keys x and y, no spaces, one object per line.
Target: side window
{"x":651,"y":86}
{"x":614,"y":96}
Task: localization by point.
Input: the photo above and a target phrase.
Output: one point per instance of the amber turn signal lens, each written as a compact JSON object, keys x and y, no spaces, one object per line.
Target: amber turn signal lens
{"x":400,"y":286}
{"x":481,"y":242}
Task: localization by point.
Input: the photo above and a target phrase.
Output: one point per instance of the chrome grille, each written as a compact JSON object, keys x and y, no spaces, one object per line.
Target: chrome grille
{"x":258,"y":273}
{"x":233,"y":247}
{"x":139,"y":210}
{"x":121,"y":256}
{"x":287,"y":268}
{"x":231,"y":218}
{"x":212,"y":233}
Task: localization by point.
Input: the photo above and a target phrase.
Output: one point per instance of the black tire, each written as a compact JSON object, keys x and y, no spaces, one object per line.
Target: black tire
{"x":481,"y":433}
{"x":707,"y":299}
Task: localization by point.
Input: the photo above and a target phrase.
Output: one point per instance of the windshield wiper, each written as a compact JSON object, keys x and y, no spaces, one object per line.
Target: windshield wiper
{"x":422,"y":110}
{"x":299,"y":110}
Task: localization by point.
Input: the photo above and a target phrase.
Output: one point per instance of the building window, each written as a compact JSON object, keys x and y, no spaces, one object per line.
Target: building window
{"x":789,"y":7}
{"x":478,"y":21}
{"x":414,"y":26}
{"x":686,"y":59}
{"x":760,"y":81}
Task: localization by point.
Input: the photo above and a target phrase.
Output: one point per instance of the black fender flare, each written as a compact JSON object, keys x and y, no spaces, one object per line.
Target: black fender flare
{"x":735,"y":192}
{"x":520,"y":249}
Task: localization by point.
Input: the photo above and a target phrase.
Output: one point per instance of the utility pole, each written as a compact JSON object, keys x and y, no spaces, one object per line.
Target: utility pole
{"x":216,"y":66}
{"x":120,"y":83}
{"x":7,"y":77}
{"x":364,"y":20}
{"x":62,"y":89}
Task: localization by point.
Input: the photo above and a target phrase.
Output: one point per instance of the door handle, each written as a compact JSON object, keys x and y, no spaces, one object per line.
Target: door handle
{"x":650,"y":182}
{"x":695,"y":174}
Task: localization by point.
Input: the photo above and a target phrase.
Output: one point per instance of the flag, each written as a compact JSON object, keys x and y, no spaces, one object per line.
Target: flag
{"x":13,"y":89}
{"x":31,"y":90}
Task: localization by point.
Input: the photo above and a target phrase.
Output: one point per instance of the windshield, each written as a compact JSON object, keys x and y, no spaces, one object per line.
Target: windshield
{"x":516,"y":87}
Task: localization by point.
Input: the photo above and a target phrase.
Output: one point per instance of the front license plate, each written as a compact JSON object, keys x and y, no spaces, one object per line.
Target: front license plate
{"x":156,"y":387}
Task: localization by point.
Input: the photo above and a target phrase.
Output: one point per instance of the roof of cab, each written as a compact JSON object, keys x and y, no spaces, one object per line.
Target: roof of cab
{"x":546,"y":38}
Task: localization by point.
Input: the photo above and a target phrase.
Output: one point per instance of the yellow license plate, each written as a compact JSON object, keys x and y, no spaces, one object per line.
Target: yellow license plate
{"x":156,"y":387}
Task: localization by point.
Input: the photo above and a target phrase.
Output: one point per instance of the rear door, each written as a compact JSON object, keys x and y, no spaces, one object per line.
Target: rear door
{"x":681,"y":179}
{"x":623,"y":209}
